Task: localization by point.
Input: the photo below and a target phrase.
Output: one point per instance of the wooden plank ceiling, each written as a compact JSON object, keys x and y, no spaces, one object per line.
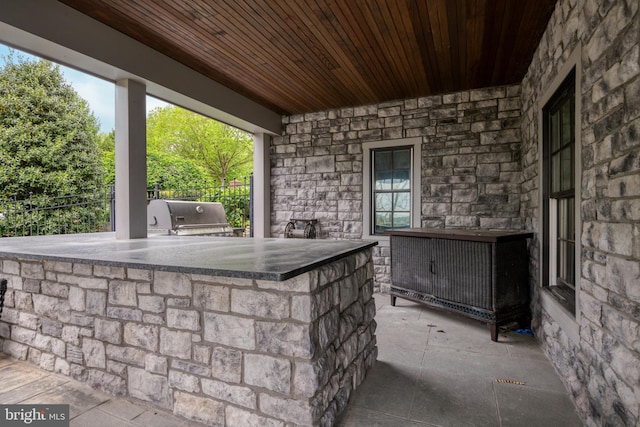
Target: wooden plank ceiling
{"x":297,"y":56}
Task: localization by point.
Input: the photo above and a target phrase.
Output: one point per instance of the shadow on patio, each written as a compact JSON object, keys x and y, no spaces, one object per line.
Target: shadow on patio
{"x":432,"y":369}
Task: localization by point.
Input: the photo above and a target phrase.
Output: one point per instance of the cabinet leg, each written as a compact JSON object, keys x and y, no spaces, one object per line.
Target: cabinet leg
{"x":494,"y":332}
{"x":393,"y":301}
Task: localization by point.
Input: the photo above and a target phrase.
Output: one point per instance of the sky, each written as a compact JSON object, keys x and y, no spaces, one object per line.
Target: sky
{"x":100,"y":94}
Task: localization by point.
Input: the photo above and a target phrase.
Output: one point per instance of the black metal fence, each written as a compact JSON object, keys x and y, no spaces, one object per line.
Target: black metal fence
{"x":95,"y":211}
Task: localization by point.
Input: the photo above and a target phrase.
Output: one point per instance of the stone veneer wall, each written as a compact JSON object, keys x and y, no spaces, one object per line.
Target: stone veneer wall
{"x":602,"y":369}
{"x":223,"y":351}
{"x":470,"y":164}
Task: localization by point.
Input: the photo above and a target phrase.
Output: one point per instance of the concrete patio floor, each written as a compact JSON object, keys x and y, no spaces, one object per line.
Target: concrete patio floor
{"x":433,"y":369}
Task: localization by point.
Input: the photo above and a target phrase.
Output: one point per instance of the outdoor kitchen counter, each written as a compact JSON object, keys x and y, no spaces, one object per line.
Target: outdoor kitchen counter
{"x":221,"y":330}
{"x":262,"y":259}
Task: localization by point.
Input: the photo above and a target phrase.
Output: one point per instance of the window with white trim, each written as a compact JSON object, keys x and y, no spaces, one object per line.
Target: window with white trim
{"x":391,"y":186}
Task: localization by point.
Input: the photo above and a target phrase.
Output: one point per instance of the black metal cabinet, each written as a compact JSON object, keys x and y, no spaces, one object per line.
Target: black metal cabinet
{"x":479,"y":274}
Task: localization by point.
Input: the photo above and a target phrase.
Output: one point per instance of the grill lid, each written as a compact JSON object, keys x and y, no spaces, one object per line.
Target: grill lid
{"x":188,"y":218}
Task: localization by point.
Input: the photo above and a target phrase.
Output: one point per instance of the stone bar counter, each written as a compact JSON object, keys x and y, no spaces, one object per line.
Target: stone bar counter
{"x":224,"y":331}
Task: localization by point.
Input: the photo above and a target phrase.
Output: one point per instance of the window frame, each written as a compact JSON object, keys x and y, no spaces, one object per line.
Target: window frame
{"x":367,"y":187}
{"x":566,"y":320}
{"x":555,"y":196}
{"x":375,"y":192}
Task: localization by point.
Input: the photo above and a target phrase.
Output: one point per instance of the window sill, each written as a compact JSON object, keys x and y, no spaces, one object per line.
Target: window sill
{"x":560,"y":314}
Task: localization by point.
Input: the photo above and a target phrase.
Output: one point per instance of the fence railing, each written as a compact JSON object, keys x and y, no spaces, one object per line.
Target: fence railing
{"x":95,"y":211}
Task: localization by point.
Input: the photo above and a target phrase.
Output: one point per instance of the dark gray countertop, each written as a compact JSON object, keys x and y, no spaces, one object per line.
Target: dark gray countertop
{"x":264,"y":259}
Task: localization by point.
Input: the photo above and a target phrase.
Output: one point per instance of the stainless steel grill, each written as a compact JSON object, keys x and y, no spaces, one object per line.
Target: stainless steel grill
{"x":188,"y":218}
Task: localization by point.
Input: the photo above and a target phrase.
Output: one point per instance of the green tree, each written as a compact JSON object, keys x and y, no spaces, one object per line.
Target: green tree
{"x":223,"y":151}
{"x":168,"y":170}
{"x":47,"y":132}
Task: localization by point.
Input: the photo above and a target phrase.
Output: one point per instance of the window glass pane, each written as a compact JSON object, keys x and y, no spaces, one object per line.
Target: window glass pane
{"x":402,"y":159}
{"x":382,"y":160}
{"x":401,"y":180}
{"x":566,"y":122}
{"x":555,"y":173}
{"x":383,"y":201}
{"x":383,"y":180}
{"x":401,"y":220}
{"x":383,"y":222}
{"x":566,"y":175}
{"x":401,"y":202}
{"x":554,"y":131}
{"x":391,"y":188}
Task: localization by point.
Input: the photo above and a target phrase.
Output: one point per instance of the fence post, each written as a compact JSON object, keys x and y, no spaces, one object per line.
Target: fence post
{"x":156,"y":190}
{"x":112,"y":207}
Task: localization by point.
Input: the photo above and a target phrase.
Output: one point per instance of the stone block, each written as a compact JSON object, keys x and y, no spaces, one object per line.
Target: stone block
{"x":149,"y":387}
{"x":617,"y":238}
{"x":153,"y":319}
{"x":170,"y":283}
{"x":61,"y":366}
{"x":320,"y":164}
{"x":82,"y":269}
{"x":96,"y":302}
{"x":122,"y":293}
{"x":83,"y":282}
{"x":141,"y":335}
{"x":179,"y":302}
{"x":235,"y":394}
{"x":51,"y":307}
{"x":305,"y":282}
{"x":30,"y":270}
{"x":23,"y":335}
{"x":74,"y":355}
{"x":94,"y":353}
{"x":175,"y":343}
{"x":129,"y":355}
{"x":76,"y":299}
{"x":15,"y":349}
{"x":156,"y":364}
{"x":291,"y":410}
{"x":152,"y":303}
{"x":192,"y":368}
{"x":236,"y":417}
{"x":138,"y":274}
{"x":124,"y":313}
{"x":260,"y":303}
{"x":289,"y":339}
{"x":202,"y":354}
{"x":272,"y":373}
{"x":55,"y":289}
{"x":200,"y":409}
{"x":106,"y":382}
{"x":183,"y":381}
{"x":623,"y":276}
{"x":211,"y":297}
{"x":71,"y":334}
{"x":310,"y":377}
{"x":109,"y":272}
{"x":183,"y":319}
{"x":230,"y":330}
{"x":226,"y":364}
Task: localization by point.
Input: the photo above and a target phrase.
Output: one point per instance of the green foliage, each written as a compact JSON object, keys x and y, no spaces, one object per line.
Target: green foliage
{"x":223,"y":151}
{"x":171,"y":171}
{"x":47,"y":133}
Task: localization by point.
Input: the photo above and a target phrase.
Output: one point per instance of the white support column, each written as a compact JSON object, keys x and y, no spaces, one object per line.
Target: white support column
{"x":131,"y":160}
{"x":261,"y":185}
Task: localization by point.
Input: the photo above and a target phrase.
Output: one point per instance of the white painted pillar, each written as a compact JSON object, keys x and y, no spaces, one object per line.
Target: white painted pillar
{"x":131,"y":160}
{"x":261,"y":185}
